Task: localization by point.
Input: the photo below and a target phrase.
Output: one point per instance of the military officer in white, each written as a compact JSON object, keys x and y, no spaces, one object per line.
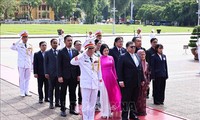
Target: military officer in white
{"x":90,"y":78}
{"x":25,"y":57}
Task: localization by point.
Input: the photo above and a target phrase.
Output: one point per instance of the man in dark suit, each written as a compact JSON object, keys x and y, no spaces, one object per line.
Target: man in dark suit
{"x":130,"y":76}
{"x":117,"y":50}
{"x":38,"y":69}
{"x":138,"y":44}
{"x":149,"y":53}
{"x":51,"y":73}
{"x":68,"y":75}
{"x":159,"y":74}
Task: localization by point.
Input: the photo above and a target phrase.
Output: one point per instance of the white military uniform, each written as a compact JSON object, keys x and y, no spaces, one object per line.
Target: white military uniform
{"x":89,"y":81}
{"x":61,"y":42}
{"x":25,"y":58}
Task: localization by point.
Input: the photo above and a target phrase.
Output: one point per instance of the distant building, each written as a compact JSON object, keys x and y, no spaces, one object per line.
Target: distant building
{"x":43,"y":11}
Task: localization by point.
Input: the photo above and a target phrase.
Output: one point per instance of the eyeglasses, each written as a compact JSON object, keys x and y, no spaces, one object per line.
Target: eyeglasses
{"x":132,"y":46}
{"x":44,"y":45}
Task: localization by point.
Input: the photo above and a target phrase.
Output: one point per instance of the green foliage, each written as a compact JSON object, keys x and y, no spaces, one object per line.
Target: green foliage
{"x":192,"y":44}
{"x":90,"y":9}
{"x":62,"y":7}
{"x":150,"y":12}
{"x":120,"y":5}
{"x":194,"y":37}
{"x":184,"y":12}
{"x":7,"y":8}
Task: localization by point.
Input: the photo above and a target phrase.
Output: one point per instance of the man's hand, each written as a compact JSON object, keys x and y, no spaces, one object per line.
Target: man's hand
{"x":36,"y":75}
{"x":60,"y":80}
{"x":47,"y":76}
{"x":78,"y":78}
{"x":121,"y":84}
{"x":76,"y":58}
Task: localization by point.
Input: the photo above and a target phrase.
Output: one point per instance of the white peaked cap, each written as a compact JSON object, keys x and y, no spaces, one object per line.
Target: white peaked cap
{"x":89,"y":42}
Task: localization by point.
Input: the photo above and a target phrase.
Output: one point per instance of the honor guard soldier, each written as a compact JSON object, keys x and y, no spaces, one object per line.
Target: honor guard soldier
{"x":90,"y":78}
{"x":25,"y":58}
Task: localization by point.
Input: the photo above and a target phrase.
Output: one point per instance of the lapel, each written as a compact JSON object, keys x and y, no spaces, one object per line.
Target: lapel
{"x":130,"y":58}
{"x":73,"y":52}
{"x":51,"y":53}
{"x":67,"y":53}
{"x":116,"y":51}
{"x":40,"y":55}
{"x":158,"y":57}
{"x":123,"y":50}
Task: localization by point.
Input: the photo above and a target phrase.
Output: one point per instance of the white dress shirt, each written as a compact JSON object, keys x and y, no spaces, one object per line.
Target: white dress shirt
{"x":135,"y":59}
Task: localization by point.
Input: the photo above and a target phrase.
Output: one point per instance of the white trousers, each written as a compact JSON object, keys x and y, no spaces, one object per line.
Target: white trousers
{"x":24,"y":77}
{"x":104,"y":100}
{"x":89,"y":98}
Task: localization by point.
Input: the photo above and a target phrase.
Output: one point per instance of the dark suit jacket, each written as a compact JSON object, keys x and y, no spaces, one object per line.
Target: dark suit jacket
{"x":50,"y":66}
{"x":158,"y":66}
{"x":38,"y":64}
{"x":128,"y":72}
{"x":115,"y":54}
{"x":65,"y":68}
{"x":149,"y":53}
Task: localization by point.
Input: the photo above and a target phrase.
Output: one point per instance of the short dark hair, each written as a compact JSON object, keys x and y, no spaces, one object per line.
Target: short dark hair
{"x":66,"y":37}
{"x":96,"y":41}
{"x":117,"y":39}
{"x":52,"y":40}
{"x":158,"y":46}
{"x":129,"y":43}
{"x":76,"y":42}
{"x":134,"y":39}
{"x":41,"y":43}
{"x":103,"y":46}
{"x":153,"y":39}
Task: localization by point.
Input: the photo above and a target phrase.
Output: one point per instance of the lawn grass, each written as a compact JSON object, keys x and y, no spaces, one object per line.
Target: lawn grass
{"x":45,"y":29}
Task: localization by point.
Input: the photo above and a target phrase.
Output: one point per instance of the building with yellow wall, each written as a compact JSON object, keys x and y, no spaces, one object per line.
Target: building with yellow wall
{"x":43,"y":11}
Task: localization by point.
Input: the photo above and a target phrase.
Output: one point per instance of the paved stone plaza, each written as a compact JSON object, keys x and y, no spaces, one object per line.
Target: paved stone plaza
{"x":182,"y":89}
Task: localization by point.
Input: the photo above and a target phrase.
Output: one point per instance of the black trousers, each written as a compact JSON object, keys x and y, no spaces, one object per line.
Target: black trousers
{"x":129,"y":99}
{"x":42,"y":81}
{"x":54,"y":85}
{"x":79,"y":94}
{"x":72,"y":84}
{"x":159,"y":90}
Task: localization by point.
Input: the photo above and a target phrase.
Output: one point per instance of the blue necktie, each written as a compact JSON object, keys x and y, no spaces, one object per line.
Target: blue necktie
{"x":70,"y":53}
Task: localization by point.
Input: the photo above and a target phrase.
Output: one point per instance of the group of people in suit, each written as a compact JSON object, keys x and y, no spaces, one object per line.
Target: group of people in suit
{"x":119,"y":76}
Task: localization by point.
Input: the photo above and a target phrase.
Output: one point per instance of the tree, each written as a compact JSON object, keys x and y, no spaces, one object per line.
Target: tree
{"x":183,"y":12}
{"x":62,"y":7}
{"x":31,"y":4}
{"x":101,"y":7}
{"x":150,"y":12}
{"x":90,"y":9}
{"x":8,"y":8}
{"x":120,"y":6}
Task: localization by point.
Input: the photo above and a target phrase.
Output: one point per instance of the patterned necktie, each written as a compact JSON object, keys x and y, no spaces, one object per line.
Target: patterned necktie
{"x":54,"y":52}
{"x":120,"y":50}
